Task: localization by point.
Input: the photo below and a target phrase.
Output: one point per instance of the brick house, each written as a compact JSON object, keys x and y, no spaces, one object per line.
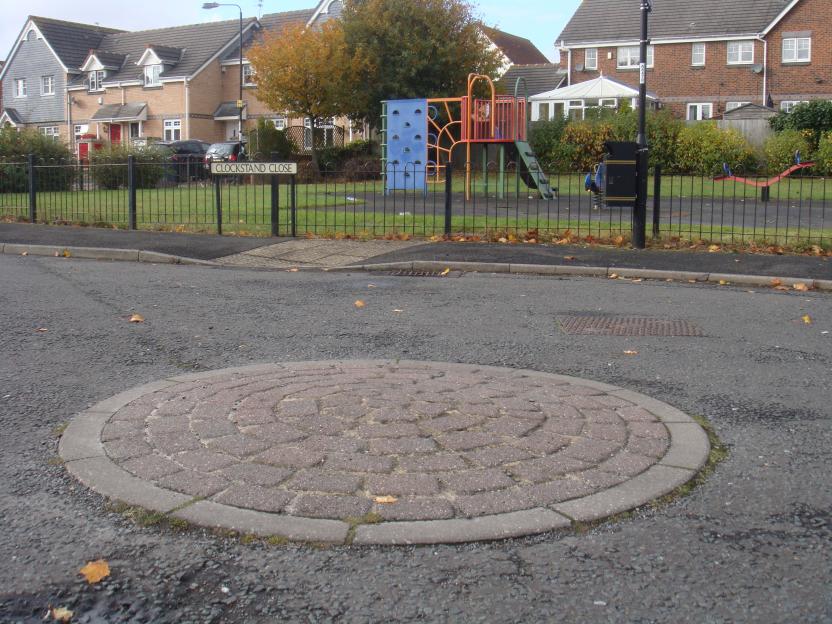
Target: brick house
{"x":707,"y":56}
{"x":72,"y":80}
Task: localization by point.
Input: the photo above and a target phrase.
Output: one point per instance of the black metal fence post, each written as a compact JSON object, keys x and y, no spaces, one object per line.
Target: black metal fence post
{"x":275,"y":205}
{"x":131,"y":192}
{"x":448,"y":197}
{"x":657,"y":199}
{"x":218,"y":200}
{"x":33,"y":188}
{"x":293,"y":205}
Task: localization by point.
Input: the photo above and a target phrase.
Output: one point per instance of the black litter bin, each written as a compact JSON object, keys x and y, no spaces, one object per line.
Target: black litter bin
{"x":620,"y":182}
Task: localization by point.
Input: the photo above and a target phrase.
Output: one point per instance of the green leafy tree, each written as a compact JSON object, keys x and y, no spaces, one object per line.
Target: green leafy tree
{"x":412,"y":49}
{"x":304,"y":72}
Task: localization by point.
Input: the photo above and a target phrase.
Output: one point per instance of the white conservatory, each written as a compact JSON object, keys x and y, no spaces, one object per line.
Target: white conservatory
{"x":575,"y":100}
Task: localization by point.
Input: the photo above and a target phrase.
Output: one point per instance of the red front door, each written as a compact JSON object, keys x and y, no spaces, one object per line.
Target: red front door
{"x":115,"y":133}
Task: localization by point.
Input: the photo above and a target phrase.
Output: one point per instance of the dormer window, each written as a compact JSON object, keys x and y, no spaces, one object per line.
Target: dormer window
{"x":151,"y":75}
{"x":96,"y":80}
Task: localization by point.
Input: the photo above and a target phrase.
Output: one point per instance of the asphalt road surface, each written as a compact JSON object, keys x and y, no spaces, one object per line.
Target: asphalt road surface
{"x":750,"y":545}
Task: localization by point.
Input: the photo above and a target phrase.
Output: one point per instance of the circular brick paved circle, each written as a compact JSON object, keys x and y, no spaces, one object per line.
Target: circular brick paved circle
{"x":383,"y":452}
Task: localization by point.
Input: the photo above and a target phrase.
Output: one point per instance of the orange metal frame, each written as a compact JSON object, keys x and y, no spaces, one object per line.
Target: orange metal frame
{"x":496,"y":119}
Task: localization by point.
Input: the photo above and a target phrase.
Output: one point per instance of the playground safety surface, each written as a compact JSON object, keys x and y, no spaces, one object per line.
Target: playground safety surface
{"x":379,"y":452}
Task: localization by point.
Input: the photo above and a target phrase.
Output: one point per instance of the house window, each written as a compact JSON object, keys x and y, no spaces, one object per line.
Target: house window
{"x":591,"y":58}
{"x":797,"y":50}
{"x":173,"y":129}
{"x":788,"y":106}
{"x":151,"y":75}
{"x":279,"y":122}
{"x":575,"y":109}
{"x":47,"y":85}
{"x":135,"y":129}
{"x":79,"y":131}
{"x":733,"y":105}
{"x":698,"y":55}
{"x":20,"y":88}
{"x":248,"y":75}
{"x":698,"y":112}
{"x":96,"y":80}
{"x":628,"y":57}
{"x":740,"y":52}
{"x":325,"y":126}
{"x":50,"y":131}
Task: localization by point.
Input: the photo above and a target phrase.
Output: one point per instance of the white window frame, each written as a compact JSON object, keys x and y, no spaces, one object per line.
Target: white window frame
{"x":729,"y":106}
{"x":80,"y":130}
{"x":739,"y":49}
{"x":20,"y":89}
{"x":795,"y":50}
{"x":591,"y":58}
{"x":248,"y":74}
{"x":47,"y":85}
{"x":52,"y":132}
{"x":152,"y":75}
{"x":173,"y":129}
{"x":700,"y":108}
{"x":698,"y":50}
{"x":632,"y":55}
{"x":96,"y":80}
{"x":787,"y":106}
{"x":280,"y":122}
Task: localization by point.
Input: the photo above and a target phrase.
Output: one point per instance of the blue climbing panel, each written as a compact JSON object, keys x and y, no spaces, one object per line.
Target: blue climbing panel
{"x":406,"y":145}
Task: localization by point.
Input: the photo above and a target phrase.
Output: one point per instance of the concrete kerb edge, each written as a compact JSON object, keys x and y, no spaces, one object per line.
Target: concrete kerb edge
{"x":81,"y":449}
{"x":101,"y":253}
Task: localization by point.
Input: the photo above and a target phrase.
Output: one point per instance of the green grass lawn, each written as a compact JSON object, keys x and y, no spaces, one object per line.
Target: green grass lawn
{"x":361,"y":209}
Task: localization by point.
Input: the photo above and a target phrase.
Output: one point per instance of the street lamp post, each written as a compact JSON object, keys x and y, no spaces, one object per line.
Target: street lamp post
{"x":640,"y":210}
{"x":214,"y":5}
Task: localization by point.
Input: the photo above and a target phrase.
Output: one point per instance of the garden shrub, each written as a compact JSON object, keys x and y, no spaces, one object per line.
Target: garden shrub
{"x":779,"y":149}
{"x":334,"y":158}
{"x":815,"y":118}
{"x":702,"y":148}
{"x":15,"y":147}
{"x":823,"y":156}
{"x":265,"y":140}
{"x":108,"y":166}
{"x":587,"y":141}
{"x":546,"y":140}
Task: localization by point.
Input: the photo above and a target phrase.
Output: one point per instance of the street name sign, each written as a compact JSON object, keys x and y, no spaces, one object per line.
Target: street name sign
{"x":254,"y":168}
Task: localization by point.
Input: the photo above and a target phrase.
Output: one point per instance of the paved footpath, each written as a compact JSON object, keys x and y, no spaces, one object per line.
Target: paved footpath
{"x":410,"y":452}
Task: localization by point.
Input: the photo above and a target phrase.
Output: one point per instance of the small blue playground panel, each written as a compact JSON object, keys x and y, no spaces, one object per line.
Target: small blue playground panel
{"x":405,"y":145}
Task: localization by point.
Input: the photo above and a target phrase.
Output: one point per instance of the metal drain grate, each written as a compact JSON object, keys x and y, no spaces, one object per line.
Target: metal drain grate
{"x":406,"y":273}
{"x":610,"y":325}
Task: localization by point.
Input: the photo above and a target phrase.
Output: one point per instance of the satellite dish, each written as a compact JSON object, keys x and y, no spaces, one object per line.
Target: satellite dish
{"x":579,"y":67}
{"x":757,"y":69}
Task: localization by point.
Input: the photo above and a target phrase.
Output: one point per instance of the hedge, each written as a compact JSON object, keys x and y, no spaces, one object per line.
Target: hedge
{"x":108,"y":166}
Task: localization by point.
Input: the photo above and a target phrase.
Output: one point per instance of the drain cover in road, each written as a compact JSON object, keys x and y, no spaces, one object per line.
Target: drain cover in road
{"x":372,"y":452}
{"x":611,"y":325}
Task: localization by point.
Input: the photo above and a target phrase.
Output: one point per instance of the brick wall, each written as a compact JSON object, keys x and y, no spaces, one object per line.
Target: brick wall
{"x":677,"y":82}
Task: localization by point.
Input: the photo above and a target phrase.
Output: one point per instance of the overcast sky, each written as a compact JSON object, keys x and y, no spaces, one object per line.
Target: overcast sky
{"x":539,"y":20}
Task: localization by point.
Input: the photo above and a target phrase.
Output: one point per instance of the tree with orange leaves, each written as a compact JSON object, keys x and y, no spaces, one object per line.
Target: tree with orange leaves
{"x":303,"y":72}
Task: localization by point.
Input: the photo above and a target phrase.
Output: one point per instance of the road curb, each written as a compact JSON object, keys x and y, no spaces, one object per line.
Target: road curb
{"x":100,"y":253}
{"x":597,"y":271}
{"x":154,"y":257}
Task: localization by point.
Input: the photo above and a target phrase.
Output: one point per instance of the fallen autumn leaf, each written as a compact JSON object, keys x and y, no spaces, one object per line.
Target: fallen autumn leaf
{"x":385,"y":500}
{"x":445,"y":272}
{"x":801,"y":287}
{"x":630,"y":352}
{"x":136,"y":318}
{"x":359,"y":304}
{"x":806,"y":319}
{"x":95,"y":571}
{"x":59,"y":614}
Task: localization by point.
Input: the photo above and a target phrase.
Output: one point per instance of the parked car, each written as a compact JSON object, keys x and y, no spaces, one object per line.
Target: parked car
{"x":186,"y":158}
{"x":225,"y":152}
